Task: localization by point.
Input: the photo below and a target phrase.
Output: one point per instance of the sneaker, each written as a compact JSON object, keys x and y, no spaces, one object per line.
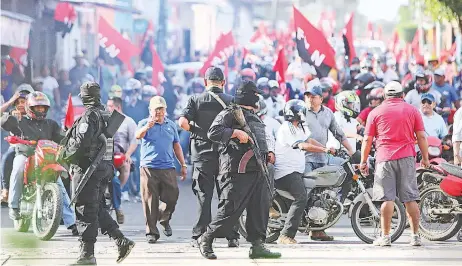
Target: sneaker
{"x":125,"y":196}
{"x":415,"y":240}
{"x":383,"y":241}
{"x":286,"y":240}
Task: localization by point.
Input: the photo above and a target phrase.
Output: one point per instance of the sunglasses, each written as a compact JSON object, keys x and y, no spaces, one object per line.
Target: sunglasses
{"x":425,"y":101}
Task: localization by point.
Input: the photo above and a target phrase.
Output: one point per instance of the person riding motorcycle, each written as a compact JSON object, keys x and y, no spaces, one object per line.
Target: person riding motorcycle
{"x":19,"y":103}
{"x":375,"y":98}
{"x":423,"y":84}
{"x":35,"y":126}
{"x":291,"y":142}
{"x":362,"y":80}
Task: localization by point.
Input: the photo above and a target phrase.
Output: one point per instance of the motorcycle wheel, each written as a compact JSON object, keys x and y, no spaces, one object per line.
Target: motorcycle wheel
{"x":271,"y":234}
{"x":22,"y":225}
{"x":52,"y":208}
{"x":399,"y":212}
{"x":433,"y":235}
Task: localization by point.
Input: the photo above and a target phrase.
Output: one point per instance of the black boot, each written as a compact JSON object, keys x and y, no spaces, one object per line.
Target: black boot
{"x":124,"y":245}
{"x":86,"y":254}
{"x":259,"y":251}
{"x":205,"y":247}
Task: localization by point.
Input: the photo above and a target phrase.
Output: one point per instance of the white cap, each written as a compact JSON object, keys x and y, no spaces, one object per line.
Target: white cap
{"x":393,"y":88}
{"x":439,"y":72}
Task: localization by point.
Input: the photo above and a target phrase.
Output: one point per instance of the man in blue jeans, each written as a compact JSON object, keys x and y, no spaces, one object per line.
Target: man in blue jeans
{"x":124,"y":141}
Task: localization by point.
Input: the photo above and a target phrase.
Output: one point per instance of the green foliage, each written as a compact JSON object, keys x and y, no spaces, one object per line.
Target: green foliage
{"x":441,"y":9}
{"x":406,"y":25}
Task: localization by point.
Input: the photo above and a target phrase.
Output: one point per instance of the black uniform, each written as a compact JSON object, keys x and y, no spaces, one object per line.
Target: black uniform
{"x":80,"y":150}
{"x":202,"y":110}
{"x":241,"y":182}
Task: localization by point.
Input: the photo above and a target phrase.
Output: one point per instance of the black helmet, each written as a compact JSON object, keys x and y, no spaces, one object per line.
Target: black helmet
{"x":294,"y":110}
{"x":427,"y":76}
{"x":364,"y":79}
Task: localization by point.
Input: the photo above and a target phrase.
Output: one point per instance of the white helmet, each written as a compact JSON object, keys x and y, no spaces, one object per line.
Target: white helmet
{"x":132,"y":84}
{"x":148,"y":90}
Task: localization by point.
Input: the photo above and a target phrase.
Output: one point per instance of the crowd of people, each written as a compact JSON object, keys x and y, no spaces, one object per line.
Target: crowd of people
{"x":187,"y":120}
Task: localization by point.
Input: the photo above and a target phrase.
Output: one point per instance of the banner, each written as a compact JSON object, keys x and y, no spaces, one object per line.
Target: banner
{"x":115,"y":45}
{"x":314,"y":49}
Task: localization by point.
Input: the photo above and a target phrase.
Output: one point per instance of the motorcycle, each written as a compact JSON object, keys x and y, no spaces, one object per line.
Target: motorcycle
{"x":435,"y":152}
{"x":441,"y":203}
{"x":323,"y":209}
{"x":42,"y":201}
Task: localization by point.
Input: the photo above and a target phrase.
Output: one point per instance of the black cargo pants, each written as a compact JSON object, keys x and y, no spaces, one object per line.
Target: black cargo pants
{"x":90,"y":205}
{"x":204,"y":179}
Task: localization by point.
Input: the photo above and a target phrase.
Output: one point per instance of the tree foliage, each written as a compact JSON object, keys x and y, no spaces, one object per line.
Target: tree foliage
{"x":443,"y":9}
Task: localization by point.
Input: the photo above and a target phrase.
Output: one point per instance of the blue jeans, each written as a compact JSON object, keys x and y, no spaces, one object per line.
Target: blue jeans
{"x":116,"y":193}
{"x":68,"y":212}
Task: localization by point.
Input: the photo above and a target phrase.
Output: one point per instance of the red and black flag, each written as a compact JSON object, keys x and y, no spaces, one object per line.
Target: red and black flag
{"x":113,"y":45}
{"x":65,"y":16}
{"x":314,"y":49}
{"x":348,"y":40}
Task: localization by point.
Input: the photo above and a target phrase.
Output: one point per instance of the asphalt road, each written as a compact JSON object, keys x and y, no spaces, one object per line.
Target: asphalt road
{"x":347,"y":249}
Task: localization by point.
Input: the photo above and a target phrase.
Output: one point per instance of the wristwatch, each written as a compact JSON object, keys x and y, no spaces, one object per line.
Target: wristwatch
{"x":184,"y":165}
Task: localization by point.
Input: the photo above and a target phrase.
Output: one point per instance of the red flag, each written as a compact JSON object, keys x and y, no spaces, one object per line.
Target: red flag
{"x":370,"y":30}
{"x":393,"y":45}
{"x":281,"y":65}
{"x":148,"y":34}
{"x":312,"y":46}
{"x":223,"y":50}
{"x":64,"y":17}
{"x":348,"y":40}
{"x":69,"y":120}
{"x":157,"y":68}
{"x":260,"y":33}
{"x":115,"y":44}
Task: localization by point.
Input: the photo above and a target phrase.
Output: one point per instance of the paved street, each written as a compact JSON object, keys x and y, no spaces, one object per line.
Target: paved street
{"x":21,"y":249}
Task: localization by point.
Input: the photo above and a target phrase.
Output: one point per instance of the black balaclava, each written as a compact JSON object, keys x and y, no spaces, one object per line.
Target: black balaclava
{"x":246,"y":94}
{"x":90,"y":93}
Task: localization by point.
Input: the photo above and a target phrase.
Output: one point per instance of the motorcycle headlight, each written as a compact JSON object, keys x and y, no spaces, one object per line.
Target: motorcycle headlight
{"x":434,"y":151}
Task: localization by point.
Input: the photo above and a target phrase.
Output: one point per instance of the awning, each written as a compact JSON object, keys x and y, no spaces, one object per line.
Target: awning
{"x":15,"y":29}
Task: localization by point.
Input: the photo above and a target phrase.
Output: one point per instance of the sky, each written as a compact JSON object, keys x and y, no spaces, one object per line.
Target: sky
{"x":380,"y":9}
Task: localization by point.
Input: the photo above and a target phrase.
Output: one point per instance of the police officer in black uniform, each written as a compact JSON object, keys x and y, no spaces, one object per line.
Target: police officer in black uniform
{"x":241,"y":181}
{"x":200,"y":111}
{"x":81,"y":146}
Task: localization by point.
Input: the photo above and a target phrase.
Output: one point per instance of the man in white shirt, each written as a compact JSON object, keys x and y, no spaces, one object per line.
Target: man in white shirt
{"x":388,"y":73}
{"x":291,"y":143}
{"x":434,"y":124}
{"x":50,"y":86}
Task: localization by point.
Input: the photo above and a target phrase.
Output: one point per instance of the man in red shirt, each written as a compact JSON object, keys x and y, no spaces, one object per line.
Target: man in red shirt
{"x":394,"y":125}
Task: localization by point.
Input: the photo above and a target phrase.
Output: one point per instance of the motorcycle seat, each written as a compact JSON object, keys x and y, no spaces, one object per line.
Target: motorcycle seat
{"x":452,"y":169}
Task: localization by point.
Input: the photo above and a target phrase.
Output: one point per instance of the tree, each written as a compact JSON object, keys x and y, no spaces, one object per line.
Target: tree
{"x":443,"y":9}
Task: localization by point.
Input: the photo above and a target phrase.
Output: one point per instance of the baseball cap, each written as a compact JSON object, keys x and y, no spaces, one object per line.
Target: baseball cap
{"x":393,"y":88}
{"x":214,"y":73}
{"x":439,"y":72}
{"x":428,"y":96}
{"x":157,"y":102}
{"x":315,"y":90}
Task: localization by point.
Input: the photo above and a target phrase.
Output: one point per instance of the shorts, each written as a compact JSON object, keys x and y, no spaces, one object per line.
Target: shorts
{"x":396,"y":179}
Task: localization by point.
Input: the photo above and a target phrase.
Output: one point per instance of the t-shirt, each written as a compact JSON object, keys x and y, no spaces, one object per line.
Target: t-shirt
{"x":125,"y":135}
{"x":448,"y":94}
{"x":49,"y":85}
{"x":393,"y":124}
{"x":288,"y":159}
{"x":435,"y":125}
{"x":365,"y":113}
{"x":157,"y":145}
{"x":348,"y":127}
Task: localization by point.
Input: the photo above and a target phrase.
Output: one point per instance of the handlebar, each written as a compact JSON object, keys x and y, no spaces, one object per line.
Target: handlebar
{"x":18,"y":140}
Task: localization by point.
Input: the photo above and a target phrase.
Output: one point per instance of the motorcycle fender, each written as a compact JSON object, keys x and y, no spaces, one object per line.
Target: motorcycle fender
{"x":55,"y":167}
{"x":358,"y":198}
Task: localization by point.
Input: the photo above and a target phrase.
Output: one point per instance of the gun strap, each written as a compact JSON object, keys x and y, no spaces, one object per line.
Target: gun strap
{"x":214,"y":95}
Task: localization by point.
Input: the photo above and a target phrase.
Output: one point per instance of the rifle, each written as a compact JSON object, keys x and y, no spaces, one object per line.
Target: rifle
{"x":240,"y":118}
{"x":86,"y":176}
